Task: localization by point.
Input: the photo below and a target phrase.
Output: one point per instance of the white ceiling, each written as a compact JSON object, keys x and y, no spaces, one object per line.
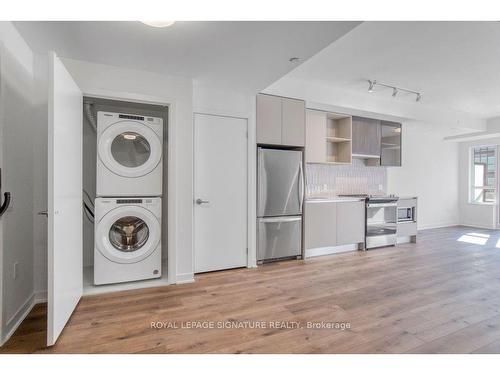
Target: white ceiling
{"x":455,"y":64}
{"x":240,"y":55}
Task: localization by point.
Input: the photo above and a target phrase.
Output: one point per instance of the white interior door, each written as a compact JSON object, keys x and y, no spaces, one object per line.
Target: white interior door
{"x":65,"y":268}
{"x":220,"y":192}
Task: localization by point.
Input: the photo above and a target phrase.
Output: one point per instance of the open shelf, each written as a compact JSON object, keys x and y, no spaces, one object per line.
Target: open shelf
{"x":338,"y":138}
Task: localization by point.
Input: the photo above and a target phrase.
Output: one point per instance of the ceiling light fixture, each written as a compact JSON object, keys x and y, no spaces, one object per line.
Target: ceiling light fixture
{"x":158,"y":23}
{"x":395,"y":89}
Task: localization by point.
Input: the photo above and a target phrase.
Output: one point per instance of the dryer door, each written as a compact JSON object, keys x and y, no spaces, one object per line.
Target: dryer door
{"x":130,"y":149}
{"x":128,"y":234}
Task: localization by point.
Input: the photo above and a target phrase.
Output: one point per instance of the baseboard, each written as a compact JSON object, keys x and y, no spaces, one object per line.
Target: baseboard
{"x":18,"y":317}
{"x":472,"y":225}
{"x":320,"y":251}
{"x":40,"y":296}
{"x":437,"y":225}
{"x":184,"y":278}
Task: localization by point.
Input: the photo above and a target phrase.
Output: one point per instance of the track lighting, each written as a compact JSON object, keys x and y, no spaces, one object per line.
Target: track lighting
{"x":372,"y":84}
{"x":395,"y":89}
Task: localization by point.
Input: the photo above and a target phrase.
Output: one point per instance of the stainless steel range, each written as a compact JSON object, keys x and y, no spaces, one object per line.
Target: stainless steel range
{"x":381,"y":220}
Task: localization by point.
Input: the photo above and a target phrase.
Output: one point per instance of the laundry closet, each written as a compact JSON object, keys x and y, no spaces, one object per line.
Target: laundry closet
{"x":124,"y":200}
{"x":106,"y":194}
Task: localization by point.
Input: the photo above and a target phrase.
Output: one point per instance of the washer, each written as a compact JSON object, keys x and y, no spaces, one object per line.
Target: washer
{"x":127,"y":239}
{"x":129,"y":155}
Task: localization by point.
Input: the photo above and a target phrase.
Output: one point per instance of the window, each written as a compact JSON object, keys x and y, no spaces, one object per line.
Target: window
{"x":484,"y":166}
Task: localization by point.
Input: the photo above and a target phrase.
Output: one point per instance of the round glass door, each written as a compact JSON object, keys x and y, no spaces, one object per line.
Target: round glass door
{"x":128,"y":234}
{"x":130,"y":149}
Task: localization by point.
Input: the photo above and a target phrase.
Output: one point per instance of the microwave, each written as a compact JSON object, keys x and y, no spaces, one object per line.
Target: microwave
{"x":406,"y":214}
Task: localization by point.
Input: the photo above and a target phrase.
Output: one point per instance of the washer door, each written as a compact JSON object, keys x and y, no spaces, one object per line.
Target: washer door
{"x":130,"y":149}
{"x":128,"y":234}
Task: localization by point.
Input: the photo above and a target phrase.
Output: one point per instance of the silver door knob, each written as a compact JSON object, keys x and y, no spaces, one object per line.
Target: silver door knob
{"x":201,"y":201}
{"x":43,"y":213}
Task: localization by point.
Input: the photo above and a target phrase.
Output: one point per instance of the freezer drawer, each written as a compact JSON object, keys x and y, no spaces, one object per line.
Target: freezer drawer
{"x":279,"y":237}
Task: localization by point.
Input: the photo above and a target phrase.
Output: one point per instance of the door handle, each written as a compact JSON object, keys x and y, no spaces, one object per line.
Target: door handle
{"x":201,"y":201}
{"x":44,"y":213}
{"x":6,"y":203}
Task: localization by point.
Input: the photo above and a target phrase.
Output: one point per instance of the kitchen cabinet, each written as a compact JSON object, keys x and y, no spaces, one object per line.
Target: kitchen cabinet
{"x":366,"y":137}
{"x":328,"y":137}
{"x":350,"y":222}
{"x":268,"y":119}
{"x":293,"y":122}
{"x":315,"y":137}
{"x":329,"y":224}
{"x":390,"y":154}
{"x":320,"y":224}
{"x":377,"y":142}
{"x":280,"y":121}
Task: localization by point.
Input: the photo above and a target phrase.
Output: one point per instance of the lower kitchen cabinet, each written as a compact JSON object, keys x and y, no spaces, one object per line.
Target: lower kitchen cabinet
{"x":320,"y":224}
{"x":329,"y":224}
{"x":350,"y":222}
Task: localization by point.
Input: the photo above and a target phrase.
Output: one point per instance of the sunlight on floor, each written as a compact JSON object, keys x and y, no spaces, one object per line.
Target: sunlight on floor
{"x":476,"y":238}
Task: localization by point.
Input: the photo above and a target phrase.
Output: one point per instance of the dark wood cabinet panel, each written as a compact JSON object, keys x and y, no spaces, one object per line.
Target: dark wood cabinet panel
{"x":365,"y":136}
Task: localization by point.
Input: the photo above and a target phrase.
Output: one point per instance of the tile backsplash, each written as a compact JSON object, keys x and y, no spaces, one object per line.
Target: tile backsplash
{"x":330,"y":180}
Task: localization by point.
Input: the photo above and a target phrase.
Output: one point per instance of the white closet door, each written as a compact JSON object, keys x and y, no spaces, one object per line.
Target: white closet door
{"x":220,"y":187}
{"x":65,"y":279}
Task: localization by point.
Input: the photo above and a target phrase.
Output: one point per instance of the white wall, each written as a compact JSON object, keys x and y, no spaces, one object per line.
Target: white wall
{"x":17,"y":163}
{"x":429,"y":171}
{"x":476,"y":215}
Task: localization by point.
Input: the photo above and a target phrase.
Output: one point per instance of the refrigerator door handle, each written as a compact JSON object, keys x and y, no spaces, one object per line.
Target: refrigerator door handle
{"x":301,"y":187}
{"x":260,"y":181}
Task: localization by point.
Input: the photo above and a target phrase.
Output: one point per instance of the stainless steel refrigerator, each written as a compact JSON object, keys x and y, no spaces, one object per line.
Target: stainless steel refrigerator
{"x":280,"y":199}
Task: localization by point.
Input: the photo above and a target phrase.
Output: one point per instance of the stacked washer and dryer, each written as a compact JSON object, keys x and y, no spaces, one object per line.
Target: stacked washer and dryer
{"x":128,"y":205}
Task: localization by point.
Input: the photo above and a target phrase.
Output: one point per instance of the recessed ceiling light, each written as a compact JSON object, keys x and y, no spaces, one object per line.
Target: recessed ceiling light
{"x":158,"y":23}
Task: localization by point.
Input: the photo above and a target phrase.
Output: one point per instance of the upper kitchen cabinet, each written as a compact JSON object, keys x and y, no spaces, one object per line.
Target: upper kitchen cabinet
{"x":280,"y":121}
{"x":293,"y":122}
{"x":315,"y":136}
{"x":390,"y":153}
{"x":328,"y":137}
{"x":366,"y":138}
{"x":268,"y":119}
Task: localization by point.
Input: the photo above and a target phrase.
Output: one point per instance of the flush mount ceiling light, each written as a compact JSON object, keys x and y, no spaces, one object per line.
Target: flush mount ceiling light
{"x":158,"y":23}
{"x":395,"y":89}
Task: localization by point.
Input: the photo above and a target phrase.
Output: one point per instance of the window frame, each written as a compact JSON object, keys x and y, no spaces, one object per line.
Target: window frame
{"x":472,"y":186}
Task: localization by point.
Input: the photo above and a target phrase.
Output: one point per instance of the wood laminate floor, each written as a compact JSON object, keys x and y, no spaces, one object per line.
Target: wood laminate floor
{"x":441,"y":295}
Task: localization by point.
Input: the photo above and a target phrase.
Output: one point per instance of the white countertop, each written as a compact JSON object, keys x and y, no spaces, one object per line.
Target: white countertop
{"x":334,"y":199}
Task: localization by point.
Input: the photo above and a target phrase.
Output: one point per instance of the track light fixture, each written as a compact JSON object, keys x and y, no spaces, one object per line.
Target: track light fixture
{"x":395,"y":89}
{"x":372,"y":84}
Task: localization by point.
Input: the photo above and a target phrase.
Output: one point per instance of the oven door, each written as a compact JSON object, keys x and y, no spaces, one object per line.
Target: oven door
{"x":381,"y":224}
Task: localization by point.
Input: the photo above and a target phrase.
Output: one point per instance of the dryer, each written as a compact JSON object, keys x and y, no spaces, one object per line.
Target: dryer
{"x":127,"y":239}
{"x":129,"y":155}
